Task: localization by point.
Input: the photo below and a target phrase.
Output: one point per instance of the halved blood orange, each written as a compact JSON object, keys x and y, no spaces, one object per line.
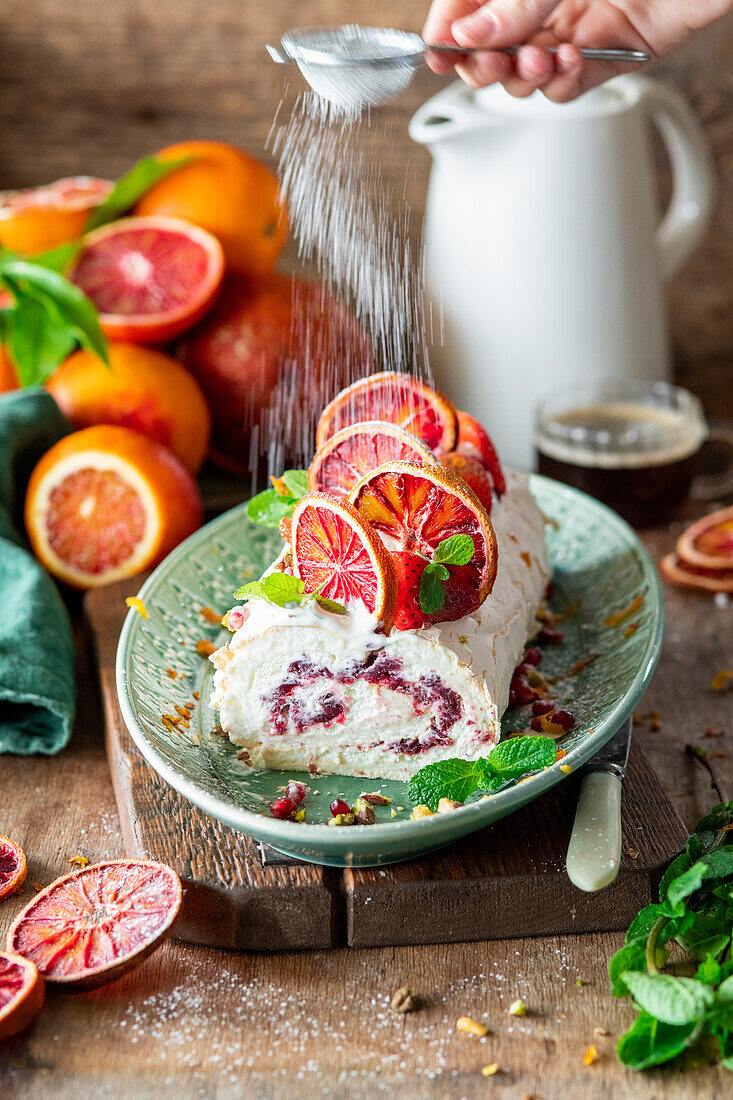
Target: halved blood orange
{"x":338,"y":555}
{"x":22,"y":992}
{"x":417,"y":507}
{"x":680,"y":572}
{"x":40,"y":218}
{"x":89,"y":927}
{"x":473,"y":440}
{"x":397,"y":398}
{"x":150,"y":278}
{"x":106,"y":502}
{"x":13,"y":867}
{"x":349,"y":454}
{"x":709,"y":542}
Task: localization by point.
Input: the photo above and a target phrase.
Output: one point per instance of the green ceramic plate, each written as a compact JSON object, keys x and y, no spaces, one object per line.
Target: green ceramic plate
{"x":598,"y":564}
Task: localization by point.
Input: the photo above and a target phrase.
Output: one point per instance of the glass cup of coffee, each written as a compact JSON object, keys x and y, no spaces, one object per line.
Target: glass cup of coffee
{"x":632,"y":445}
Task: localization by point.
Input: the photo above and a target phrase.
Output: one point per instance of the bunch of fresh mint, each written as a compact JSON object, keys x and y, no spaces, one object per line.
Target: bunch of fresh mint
{"x":695,"y":908}
{"x":272,"y":505}
{"x":457,"y":779}
{"x":281,"y":589}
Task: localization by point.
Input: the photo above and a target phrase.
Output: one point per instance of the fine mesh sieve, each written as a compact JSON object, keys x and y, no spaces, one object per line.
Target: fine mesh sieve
{"x":355,"y":67}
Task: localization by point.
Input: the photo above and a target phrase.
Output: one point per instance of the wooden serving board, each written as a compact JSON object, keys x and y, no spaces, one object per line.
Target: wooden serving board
{"x":507,"y":880}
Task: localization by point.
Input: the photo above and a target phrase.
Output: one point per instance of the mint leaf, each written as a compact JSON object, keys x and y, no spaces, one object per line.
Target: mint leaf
{"x":643,"y":922}
{"x":281,"y":588}
{"x":296,"y":482}
{"x":513,"y":758}
{"x":330,"y":605}
{"x":456,"y":550}
{"x":631,"y":957}
{"x":269,"y":507}
{"x":672,"y":1000}
{"x":649,"y":1042}
{"x":709,"y":934}
{"x":255,"y":589}
{"x":454,"y":778}
{"x":432,"y":592}
{"x":130,"y":188}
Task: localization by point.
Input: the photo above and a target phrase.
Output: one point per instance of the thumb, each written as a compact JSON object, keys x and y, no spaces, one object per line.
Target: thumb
{"x":502,"y":22}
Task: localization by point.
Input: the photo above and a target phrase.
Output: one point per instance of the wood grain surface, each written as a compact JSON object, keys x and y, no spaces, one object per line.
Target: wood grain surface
{"x":508,"y":879}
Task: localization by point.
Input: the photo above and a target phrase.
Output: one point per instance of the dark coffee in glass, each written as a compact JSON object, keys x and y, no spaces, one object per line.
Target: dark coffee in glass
{"x":630,"y":444}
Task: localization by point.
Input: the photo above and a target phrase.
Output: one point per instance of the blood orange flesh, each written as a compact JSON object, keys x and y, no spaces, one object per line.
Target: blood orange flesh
{"x":336,"y":554}
{"x":71,"y":193}
{"x":417,"y":507}
{"x":397,"y":398}
{"x":473,"y":440}
{"x":709,"y":542}
{"x":22,"y":992}
{"x":13,"y":868}
{"x":356,"y":449}
{"x":150,"y":278}
{"x":89,"y":927}
{"x":680,"y":572}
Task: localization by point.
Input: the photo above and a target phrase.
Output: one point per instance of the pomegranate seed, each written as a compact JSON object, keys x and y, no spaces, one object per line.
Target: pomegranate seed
{"x":237,"y":617}
{"x":282,"y":808}
{"x":532,"y":655}
{"x":338,"y":806}
{"x":550,"y":636}
{"x":564,"y":719}
{"x":541,"y":706}
{"x":295,"y":791}
{"x":520,"y":691}
{"x":536,"y":724}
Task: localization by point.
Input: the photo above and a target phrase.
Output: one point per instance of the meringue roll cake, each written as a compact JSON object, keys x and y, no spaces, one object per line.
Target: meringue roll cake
{"x":416,"y":585}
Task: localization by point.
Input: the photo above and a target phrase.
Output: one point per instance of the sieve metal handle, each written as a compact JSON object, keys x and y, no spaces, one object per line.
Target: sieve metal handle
{"x":634,"y":56}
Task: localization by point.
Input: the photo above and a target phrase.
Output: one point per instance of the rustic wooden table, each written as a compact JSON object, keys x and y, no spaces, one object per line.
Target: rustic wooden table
{"x":196,"y":1022}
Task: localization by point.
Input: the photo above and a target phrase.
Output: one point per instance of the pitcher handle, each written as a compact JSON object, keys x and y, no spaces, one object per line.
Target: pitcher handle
{"x":693,"y":188}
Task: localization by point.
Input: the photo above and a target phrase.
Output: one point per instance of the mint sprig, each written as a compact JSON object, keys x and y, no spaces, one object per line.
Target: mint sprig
{"x":456,"y":550}
{"x":457,"y":779}
{"x":282,"y":589}
{"x":272,"y":505}
{"x":695,"y":907}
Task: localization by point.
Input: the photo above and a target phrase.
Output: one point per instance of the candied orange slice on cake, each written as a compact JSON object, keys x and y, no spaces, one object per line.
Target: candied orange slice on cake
{"x":414,"y":509}
{"x":358,"y":448}
{"x":336,"y":554}
{"x":398,"y":398}
{"x":474,"y":441}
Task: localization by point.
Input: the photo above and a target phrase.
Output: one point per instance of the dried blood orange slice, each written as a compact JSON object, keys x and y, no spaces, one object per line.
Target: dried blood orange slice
{"x":338,"y":555}
{"x":105,"y":503}
{"x":471,"y":470}
{"x":89,"y":927}
{"x":709,"y":542}
{"x":473,"y":440}
{"x":40,"y":218}
{"x":13,"y":867}
{"x":150,"y":278}
{"x":415,"y":508}
{"x":349,"y":454}
{"x":682,"y":573}
{"x":22,"y":991}
{"x":397,"y":398}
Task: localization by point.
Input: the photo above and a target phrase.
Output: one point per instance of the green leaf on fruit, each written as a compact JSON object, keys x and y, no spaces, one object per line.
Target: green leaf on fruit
{"x":456,"y":550}
{"x":130,"y":188}
{"x":281,"y":589}
{"x":432,"y":589}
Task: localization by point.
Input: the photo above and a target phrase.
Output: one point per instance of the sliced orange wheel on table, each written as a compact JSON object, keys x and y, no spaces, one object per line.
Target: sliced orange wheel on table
{"x":37,"y":219}
{"x":708,"y":543}
{"x":13,"y":867}
{"x":105,"y":503}
{"x":349,"y":454}
{"x":150,"y":278}
{"x":414,"y":508}
{"x":22,"y":992}
{"x":336,"y":554}
{"x":93,"y":925}
{"x":397,"y":398}
{"x":680,"y":572}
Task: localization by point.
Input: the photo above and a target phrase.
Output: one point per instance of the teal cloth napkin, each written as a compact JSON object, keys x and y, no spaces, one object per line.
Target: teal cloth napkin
{"x":37,"y":683}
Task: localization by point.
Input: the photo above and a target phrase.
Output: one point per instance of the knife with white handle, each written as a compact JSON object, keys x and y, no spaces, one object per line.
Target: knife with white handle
{"x":594,"y":851}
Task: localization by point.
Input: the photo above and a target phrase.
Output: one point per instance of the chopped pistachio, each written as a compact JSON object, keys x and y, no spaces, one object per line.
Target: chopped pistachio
{"x":580,"y":983}
{"x":342,"y":819}
{"x":375,"y":798}
{"x":393,"y":813}
{"x":465,"y":1023}
{"x":421,"y":811}
{"x":299,"y":815}
{"x":363,"y":812}
{"x":517,"y":1008}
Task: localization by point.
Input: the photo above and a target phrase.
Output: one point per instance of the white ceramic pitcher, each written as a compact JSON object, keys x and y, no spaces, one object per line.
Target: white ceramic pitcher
{"x":544,"y":250}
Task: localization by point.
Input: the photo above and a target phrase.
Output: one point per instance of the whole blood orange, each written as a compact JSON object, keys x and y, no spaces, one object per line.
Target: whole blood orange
{"x":143,"y":389}
{"x":347,"y":456}
{"x":228,"y":192}
{"x":91,"y":926}
{"x":13,"y":867}
{"x":414,"y":508}
{"x":267,"y":357}
{"x":105,"y":503}
{"x":709,"y":542}
{"x":150,"y":278}
{"x":336,"y":554}
{"x":40,"y":218}
{"x":22,"y":992}
{"x":397,"y":398}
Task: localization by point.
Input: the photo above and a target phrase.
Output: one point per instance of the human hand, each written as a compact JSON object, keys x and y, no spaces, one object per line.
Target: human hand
{"x":657,"y":27}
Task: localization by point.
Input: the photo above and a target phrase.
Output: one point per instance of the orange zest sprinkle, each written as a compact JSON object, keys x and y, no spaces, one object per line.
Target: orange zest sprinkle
{"x":205,"y":648}
{"x":560,"y":754}
{"x":526,"y":558}
{"x":490,"y":1071}
{"x":722,"y":678}
{"x":590,"y":1056}
{"x":631,"y":629}
{"x":171,"y":672}
{"x":465,"y":1023}
{"x":566,"y":769}
{"x":197,"y":695}
{"x":79,"y":861}
{"x":136,"y":604}
{"x":210,"y":615}
{"x":279,"y":486}
{"x":619,"y":617}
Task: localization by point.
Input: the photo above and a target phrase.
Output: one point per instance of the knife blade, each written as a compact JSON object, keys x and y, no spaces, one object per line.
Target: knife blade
{"x":594,"y":851}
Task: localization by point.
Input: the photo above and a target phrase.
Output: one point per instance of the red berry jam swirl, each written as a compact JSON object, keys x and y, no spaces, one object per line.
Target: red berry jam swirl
{"x":428,"y":694}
